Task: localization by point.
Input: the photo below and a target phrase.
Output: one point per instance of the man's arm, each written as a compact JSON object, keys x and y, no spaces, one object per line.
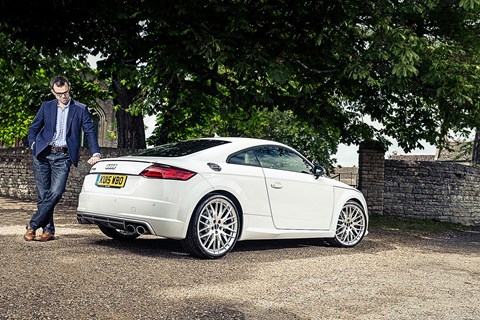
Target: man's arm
{"x":89,"y":130}
{"x":36,"y":125}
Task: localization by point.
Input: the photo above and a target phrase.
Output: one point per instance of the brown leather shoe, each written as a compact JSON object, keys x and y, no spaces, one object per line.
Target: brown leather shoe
{"x":29,"y":235}
{"x":46,"y":236}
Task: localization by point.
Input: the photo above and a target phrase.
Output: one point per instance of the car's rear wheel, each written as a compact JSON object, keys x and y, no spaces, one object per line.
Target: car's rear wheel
{"x":351,"y":225}
{"x":118,"y":234}
{"x":213,"y":229}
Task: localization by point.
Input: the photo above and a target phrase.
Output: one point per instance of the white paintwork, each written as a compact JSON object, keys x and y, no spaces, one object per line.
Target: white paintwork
{"x":299,"y":201}
{"x":274,"y":203}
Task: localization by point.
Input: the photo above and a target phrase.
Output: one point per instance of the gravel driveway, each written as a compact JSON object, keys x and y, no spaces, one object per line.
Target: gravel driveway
{"x":392,"y":274}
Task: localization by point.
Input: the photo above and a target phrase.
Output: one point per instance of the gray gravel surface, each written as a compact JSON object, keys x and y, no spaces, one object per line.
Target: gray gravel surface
{"x":392,"y":274}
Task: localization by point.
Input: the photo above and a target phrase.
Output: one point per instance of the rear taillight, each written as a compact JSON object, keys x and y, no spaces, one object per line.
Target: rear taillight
{"x":167,"y":172}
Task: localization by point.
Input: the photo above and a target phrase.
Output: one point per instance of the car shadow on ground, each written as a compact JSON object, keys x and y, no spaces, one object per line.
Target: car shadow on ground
{"x":379,"y":240}
{"x":168,"y":248}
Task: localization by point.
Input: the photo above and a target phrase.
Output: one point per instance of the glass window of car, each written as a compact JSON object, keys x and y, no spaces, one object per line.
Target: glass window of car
{"x":246,"y":157}
{"x":181,"y":148}
{"x":281,"y":158}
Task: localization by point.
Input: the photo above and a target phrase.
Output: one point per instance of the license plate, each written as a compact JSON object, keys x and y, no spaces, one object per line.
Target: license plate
{"x":111,"y":181}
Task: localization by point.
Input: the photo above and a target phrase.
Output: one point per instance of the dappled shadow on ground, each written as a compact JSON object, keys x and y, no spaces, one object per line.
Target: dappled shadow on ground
{"x":15,"y":213}
{"x":279,"y":249}
{"x":379,"y":240}
{"x":453,"y":241}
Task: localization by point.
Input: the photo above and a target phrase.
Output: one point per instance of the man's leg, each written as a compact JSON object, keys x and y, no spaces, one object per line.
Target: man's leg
{"x":41,"y":173}
{"x":59,"y":165}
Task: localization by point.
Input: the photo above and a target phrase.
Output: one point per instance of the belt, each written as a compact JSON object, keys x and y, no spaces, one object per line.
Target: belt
{"x":58,"y":149}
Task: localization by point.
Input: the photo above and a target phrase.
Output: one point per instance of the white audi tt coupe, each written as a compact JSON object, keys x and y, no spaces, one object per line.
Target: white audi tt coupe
{"x":212,"y":192}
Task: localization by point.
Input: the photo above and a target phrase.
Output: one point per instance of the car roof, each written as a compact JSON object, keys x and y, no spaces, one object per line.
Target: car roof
{"x":239,"y":143}
{"x":232,"y":145}
{"x":246,"y":142}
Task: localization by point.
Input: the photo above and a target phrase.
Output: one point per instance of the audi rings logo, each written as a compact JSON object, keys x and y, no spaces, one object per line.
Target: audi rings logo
{"x":111,"y":166}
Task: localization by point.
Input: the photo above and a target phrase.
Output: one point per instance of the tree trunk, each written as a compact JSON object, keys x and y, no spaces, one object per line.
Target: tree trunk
{"x":161,"y":133}
{"x":476,"y":150}
{"x":130,"y":128}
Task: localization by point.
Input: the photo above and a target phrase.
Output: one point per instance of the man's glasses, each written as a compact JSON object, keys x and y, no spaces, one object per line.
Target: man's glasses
{"x":62,"y":94}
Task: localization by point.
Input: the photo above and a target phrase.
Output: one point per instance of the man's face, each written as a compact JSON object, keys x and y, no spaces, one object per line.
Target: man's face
{"x":61,"y":93}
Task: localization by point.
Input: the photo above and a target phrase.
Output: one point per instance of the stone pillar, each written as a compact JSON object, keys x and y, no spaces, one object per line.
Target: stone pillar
{"x":371,"y":175}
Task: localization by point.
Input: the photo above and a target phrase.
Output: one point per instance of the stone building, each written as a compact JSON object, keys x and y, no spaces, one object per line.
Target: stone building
{"x":104,"y":117}
{"x":458,"y":152}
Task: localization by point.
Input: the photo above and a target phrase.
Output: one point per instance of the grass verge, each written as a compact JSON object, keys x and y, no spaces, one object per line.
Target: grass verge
{"x":420,"y":225}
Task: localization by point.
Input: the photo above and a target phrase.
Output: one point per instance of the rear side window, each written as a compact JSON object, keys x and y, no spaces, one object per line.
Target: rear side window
{"x":179,"y":149}
{"x":246,"y":157}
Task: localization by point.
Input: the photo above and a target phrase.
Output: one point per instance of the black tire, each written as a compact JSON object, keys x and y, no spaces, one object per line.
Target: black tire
{"x":351,"y":226}
{"x":213,"y":229}
{"x":118,"y":234}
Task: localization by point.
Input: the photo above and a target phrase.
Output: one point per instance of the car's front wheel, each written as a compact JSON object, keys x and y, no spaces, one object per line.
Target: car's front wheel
{"x":214,"y":228}
{"x":351,"y":225}
{"x":118,"y":234}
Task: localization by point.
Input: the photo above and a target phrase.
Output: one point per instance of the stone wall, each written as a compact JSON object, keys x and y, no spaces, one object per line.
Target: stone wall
{"x":435,"y":190}
{"x":16,"y":174}
{"x":415,"y":189}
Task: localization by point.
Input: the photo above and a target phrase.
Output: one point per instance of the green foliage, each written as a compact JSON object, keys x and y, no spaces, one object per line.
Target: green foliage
{"x":317,"y":144}
{"x":17,"y":98}
{"x":24,"y":82}
{"x":203,"y":66}
{"x":417,"y":226}
{"x":411,"y":66}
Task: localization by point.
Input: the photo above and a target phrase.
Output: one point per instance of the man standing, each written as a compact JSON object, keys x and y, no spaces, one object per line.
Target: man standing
{"x":54,"y":137}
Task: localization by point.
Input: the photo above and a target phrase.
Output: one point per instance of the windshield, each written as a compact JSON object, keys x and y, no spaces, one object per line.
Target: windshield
{"x":182,"y":148}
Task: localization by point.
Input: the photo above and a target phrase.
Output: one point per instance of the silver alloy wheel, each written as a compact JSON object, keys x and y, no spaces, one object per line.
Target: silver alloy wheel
{"x":217,"y":226}
{"x":351,"y":225}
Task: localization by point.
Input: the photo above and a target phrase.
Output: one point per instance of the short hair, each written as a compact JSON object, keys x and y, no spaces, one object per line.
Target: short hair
{"x":59,"y":81}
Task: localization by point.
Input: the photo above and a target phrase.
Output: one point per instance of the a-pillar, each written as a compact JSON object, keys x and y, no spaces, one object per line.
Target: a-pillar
{"x":371,"y":174}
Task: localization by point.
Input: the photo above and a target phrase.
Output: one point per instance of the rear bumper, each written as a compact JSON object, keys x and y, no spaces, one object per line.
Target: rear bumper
{"x":158,"y":226}
{"x":111,"y":222}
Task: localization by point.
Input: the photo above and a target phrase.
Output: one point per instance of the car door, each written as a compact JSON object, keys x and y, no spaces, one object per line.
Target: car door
{"x":297,"y":199}
{"x":249,"y":179}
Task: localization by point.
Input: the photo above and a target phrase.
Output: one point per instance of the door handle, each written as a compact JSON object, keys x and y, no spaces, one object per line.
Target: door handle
{"x":276,"y":185}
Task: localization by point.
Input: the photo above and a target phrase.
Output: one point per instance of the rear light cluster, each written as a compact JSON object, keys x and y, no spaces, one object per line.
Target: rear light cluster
{"x":167,"y":172}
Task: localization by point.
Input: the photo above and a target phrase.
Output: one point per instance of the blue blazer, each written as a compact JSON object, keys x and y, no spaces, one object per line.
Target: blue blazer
{"x":44,"y":125}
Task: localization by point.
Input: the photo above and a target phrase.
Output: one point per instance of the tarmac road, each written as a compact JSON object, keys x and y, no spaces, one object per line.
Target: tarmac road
{"x":392,"y":274}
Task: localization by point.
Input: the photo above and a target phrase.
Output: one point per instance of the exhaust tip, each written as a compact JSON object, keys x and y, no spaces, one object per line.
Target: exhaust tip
{"x":141,"y":230}
{"x":130,"y":228}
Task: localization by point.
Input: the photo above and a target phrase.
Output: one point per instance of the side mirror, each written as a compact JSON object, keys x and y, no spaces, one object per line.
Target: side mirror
{"x":318,"y":171}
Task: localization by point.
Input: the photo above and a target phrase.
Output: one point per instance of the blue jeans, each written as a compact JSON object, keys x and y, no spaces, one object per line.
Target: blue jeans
{"x":51,"y":173}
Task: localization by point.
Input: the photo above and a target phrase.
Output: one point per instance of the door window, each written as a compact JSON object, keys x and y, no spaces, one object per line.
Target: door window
{"x":281,"y":158}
